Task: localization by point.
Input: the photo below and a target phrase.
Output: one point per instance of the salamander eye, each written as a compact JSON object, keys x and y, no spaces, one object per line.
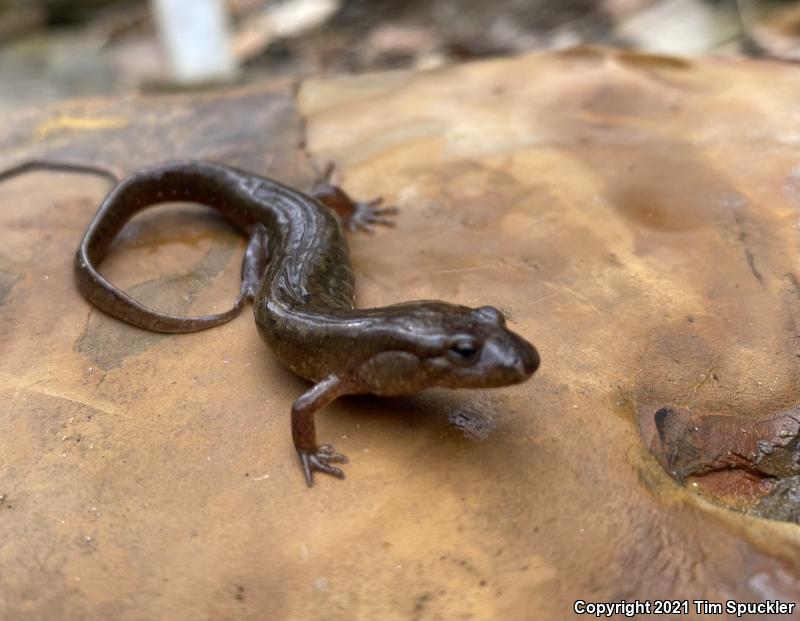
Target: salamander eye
{"x":464,"y":347}
{"x":491,"y":314}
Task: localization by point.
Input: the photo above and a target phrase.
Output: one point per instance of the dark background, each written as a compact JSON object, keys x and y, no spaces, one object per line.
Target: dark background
{"x":54,"y":49}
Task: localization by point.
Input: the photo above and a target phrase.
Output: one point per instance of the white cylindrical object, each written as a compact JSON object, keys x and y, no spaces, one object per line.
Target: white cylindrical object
{"x":194,"y":34}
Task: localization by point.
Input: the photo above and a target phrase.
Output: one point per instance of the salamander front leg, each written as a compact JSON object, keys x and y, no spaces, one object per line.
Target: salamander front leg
{"x":367,"y":214}
{"x":355,"y":215}
{"x":304,"y":433}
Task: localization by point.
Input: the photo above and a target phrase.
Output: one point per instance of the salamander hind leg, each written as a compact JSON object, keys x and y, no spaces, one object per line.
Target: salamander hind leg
{"x":254,"y":265}
{"x":355,"y":215}
{"x":313,"y":457}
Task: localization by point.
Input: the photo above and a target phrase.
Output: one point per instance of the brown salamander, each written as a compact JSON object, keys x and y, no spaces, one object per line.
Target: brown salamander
{"x":297,"y":273}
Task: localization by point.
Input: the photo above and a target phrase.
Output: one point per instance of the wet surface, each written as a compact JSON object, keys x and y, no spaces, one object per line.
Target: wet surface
{"x":264,"y":136}
{"x":629,"y":214}
{"x":7,"y":280}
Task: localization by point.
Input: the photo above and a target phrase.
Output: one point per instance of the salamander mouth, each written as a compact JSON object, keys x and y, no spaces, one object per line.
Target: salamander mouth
{"x":529,"y":357}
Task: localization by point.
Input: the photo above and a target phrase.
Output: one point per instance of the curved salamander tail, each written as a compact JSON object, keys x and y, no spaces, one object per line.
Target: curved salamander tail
{"x":108,"y":298}
{"x":125,"y":200}
{"x":60,"y":166}
{"x":201,"y":182}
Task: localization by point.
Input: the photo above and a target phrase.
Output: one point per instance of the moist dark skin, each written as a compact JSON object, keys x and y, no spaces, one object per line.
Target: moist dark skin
{"x":297,"y":273}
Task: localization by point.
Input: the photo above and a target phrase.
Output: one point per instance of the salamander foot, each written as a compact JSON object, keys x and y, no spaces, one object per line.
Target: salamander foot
{"x":354,"y":215}
{"x":321,"y":460}
{"x":367,"y":214}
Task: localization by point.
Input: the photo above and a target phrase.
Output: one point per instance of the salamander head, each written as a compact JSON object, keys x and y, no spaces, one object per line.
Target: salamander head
{"x":480,"y":352}
{"x":439,"y":344}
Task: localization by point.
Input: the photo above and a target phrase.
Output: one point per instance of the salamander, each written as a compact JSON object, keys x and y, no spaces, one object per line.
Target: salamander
{"x":297,"y":273}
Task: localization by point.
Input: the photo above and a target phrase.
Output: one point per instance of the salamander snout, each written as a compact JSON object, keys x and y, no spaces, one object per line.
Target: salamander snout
{"x":527,"y":358}
{"x":507,"y":358}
